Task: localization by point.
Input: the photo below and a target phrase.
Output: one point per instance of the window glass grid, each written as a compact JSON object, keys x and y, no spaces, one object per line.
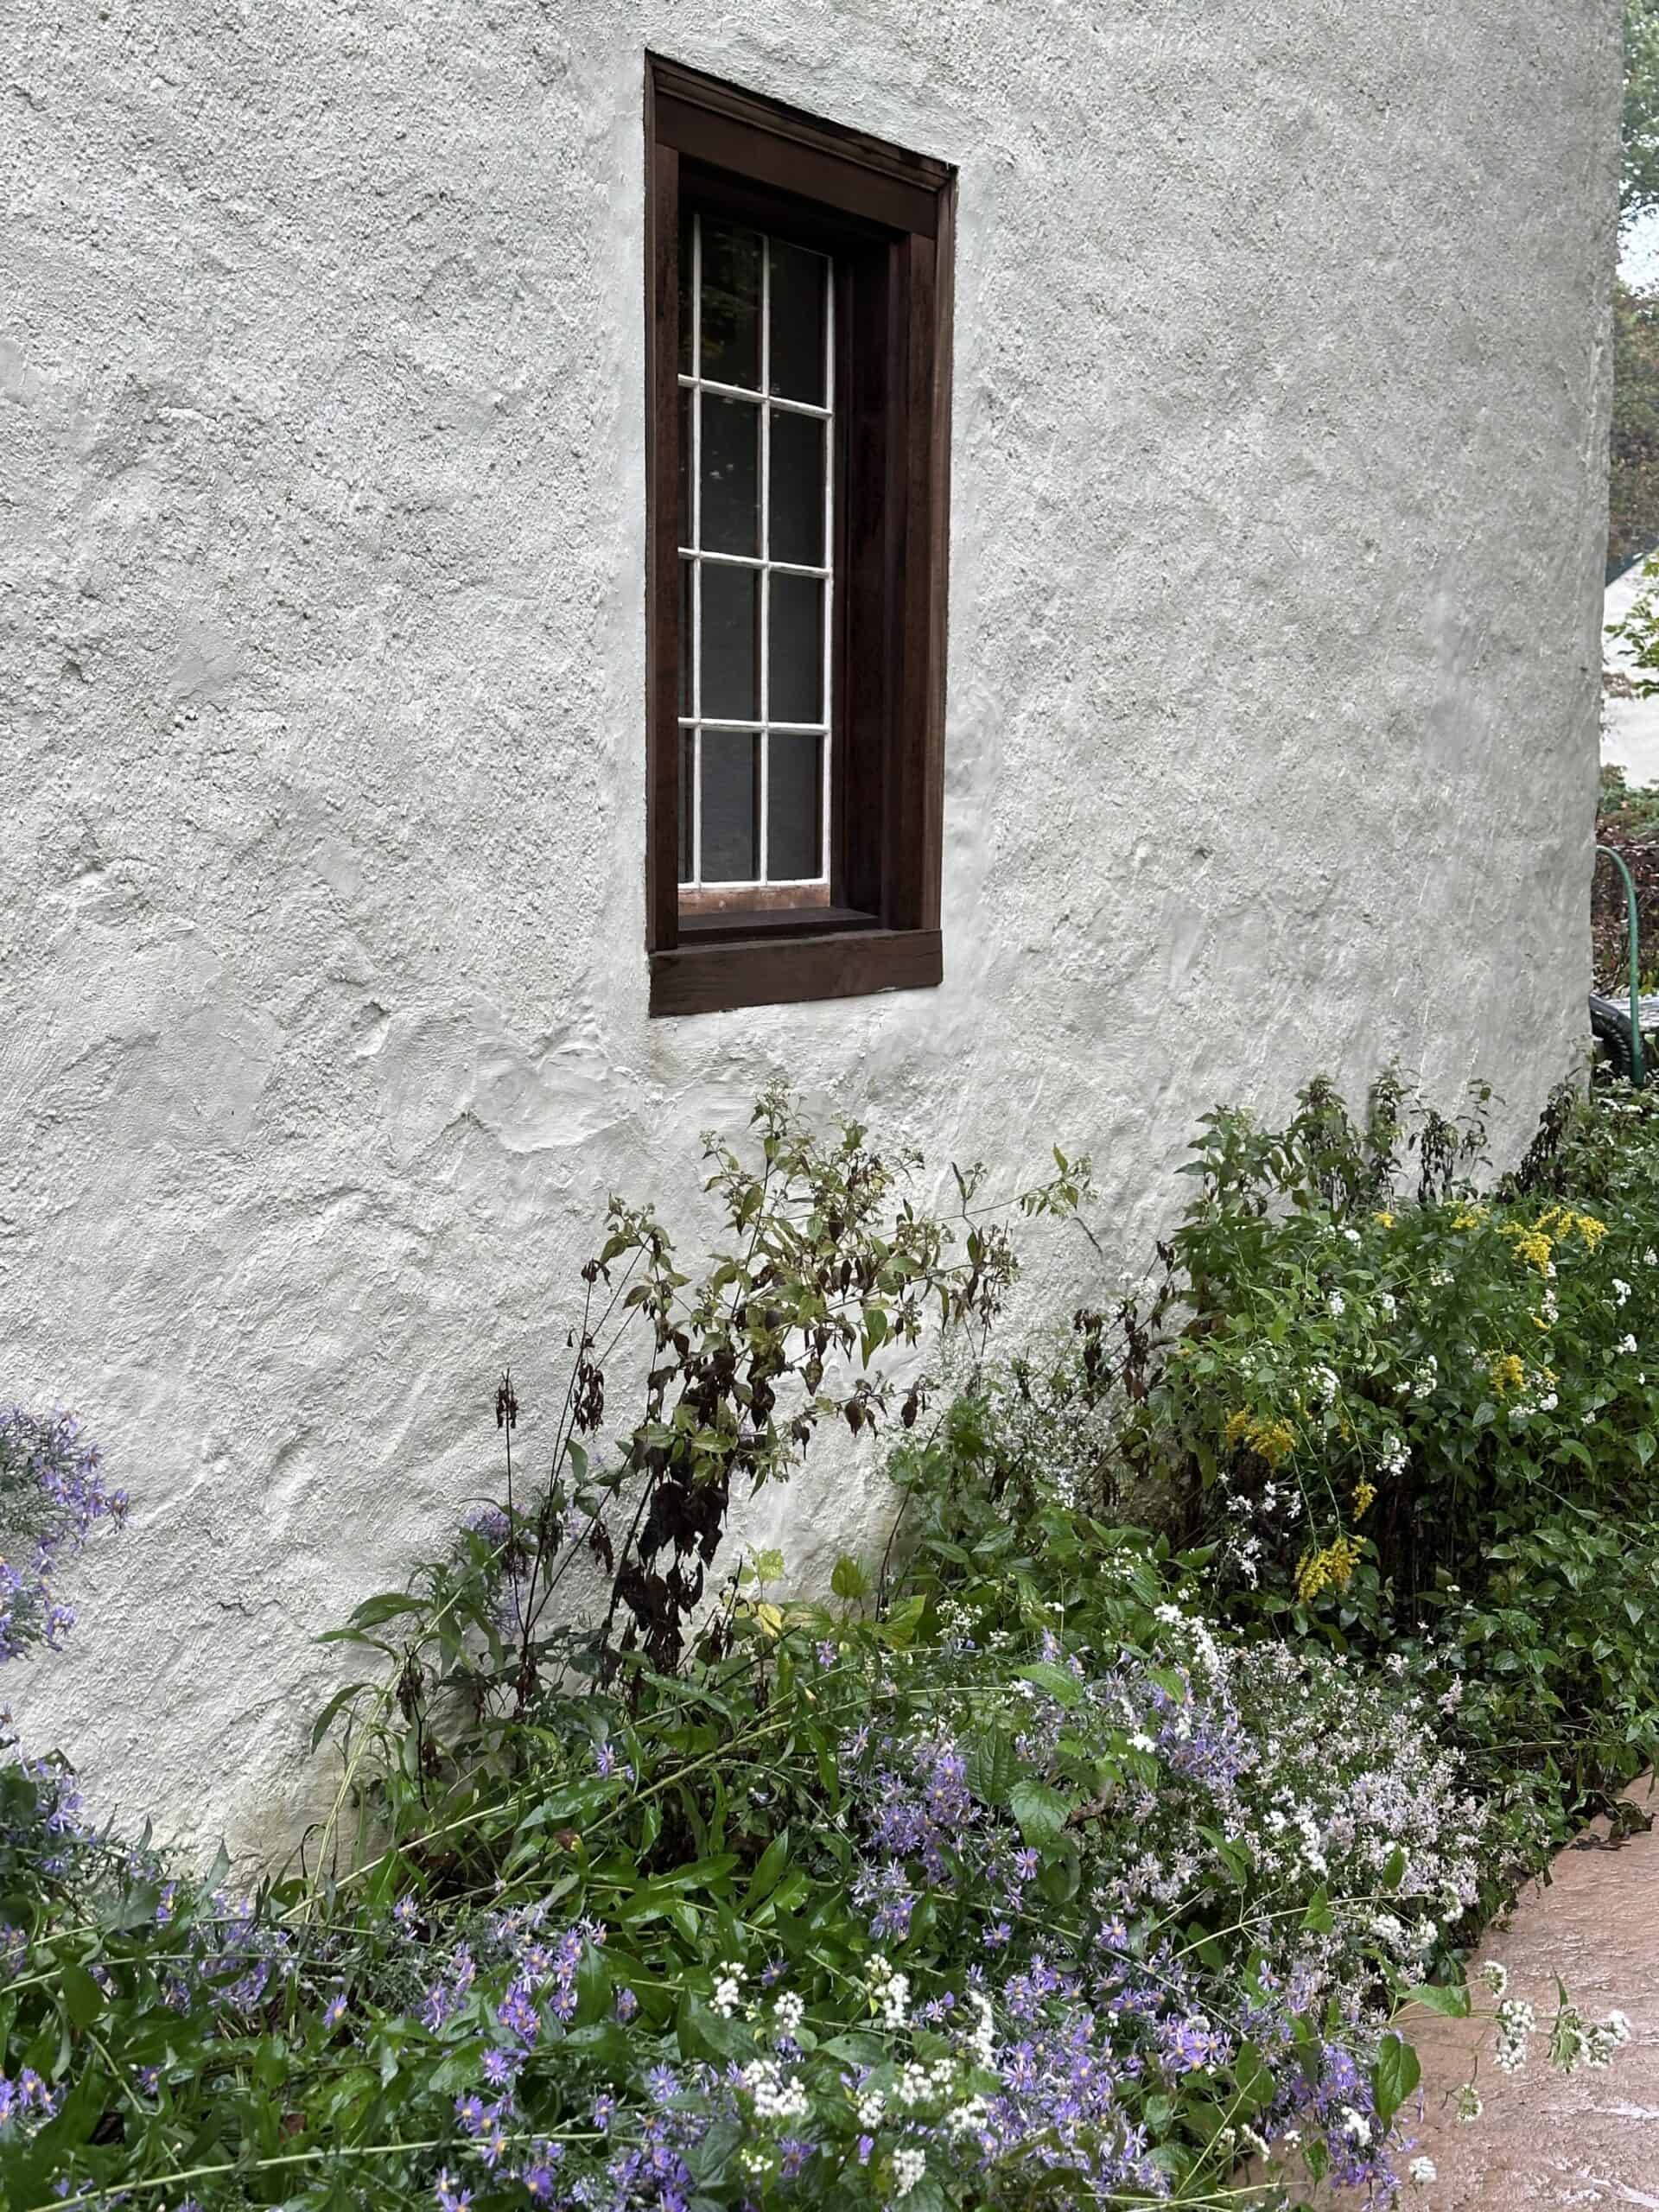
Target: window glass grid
{"x":767,"y":403}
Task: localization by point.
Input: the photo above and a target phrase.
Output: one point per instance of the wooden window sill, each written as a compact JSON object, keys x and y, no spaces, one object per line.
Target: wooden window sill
{"x":712,"y":977}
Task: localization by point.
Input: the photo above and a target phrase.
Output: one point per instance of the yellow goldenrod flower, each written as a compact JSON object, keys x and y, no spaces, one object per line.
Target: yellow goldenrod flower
{"x":1507,"y":1371}
{"x":1469,"y":1218}
{"x":1364,"y":1496}
{"x":1532,"y":1245}
{"x":1331,"y":1568}
{"x":1273,"y":1439}
{"x":1383,"y":1220}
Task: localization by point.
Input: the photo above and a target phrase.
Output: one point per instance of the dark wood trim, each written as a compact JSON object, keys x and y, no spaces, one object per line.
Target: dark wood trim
{"x":707,"y":928}
{"x":662,"y":547}
{"x":888,"y":216}
{"x":784,"y":146}
{"x":809,"y":222}
{"x":721,"y":901}
{"x":710,"y":979}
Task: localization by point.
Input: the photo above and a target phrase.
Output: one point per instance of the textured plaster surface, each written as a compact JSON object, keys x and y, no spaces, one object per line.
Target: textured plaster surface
{"x":1278,"y":428}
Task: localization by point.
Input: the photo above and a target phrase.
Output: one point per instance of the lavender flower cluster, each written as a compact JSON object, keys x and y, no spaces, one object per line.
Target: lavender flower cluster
{"x":51,"y":1493}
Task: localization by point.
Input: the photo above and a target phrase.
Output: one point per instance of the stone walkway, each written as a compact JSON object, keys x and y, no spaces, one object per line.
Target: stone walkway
{"x":1548,"y":2142}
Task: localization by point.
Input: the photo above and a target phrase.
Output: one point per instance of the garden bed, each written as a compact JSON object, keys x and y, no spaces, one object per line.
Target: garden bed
{"x":1239,"y":1655}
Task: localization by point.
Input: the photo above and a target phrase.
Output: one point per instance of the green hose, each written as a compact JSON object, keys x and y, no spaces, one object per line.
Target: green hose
{"x":1639,"y":1073}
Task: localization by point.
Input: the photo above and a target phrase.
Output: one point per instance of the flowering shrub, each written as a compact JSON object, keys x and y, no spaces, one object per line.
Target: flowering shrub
{"x":1093,"y":1851}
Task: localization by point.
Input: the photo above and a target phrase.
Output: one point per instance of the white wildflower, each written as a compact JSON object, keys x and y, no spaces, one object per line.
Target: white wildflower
{"x":775,"y":2098}
{"x":1422,"y":2171}
{"x":791,"y":2011}
{"x":729,"y":1985}
{"x":1337,"y":1304}
{"x":914,"y":2088}
{"x":1627,"y":1343}
{"x":1495,"y":1975}
{"x":872,"y":2110}
{"x":908,"y":2167}
{"x":1621,"y":1291}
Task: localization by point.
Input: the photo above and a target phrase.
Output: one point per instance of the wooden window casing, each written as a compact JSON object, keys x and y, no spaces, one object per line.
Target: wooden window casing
{"x":886,"y":217}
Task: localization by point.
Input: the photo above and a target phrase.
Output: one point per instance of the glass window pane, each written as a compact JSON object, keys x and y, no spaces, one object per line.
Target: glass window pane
{"x":686,"y":220}
{"x":731,"y":642}
{"x":688,"y":638}
{"x":731,"y":304}
{"x":794,"y":802}
{"x":731,"y":806}
{"x":731,"y":475}
{"x":797,"y":488}
{"x":688,"y":769}
{"x":794,"y":650}
{"x":797,"y":302}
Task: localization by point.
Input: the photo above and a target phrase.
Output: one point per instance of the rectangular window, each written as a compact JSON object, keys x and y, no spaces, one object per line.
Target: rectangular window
{"x":799,"y":367}
{"x":757,"y":492}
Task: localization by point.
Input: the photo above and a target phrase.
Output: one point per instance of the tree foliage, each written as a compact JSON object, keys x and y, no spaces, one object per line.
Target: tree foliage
{"x":1638,"y":182}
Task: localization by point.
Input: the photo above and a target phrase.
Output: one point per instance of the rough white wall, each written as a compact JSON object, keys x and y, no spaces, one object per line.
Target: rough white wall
{"x":1278,"y":506}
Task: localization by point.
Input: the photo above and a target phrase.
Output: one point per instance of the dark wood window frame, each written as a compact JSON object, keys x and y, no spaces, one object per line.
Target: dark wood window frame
{"x":887,"y":216}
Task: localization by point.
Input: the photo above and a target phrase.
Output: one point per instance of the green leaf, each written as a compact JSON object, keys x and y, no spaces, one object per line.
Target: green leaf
{"x":1063,"y":1688}
{"x":1450,"y":1999}
{"x":336,"y":1704}
{"x":1040,"y":1811}
{"x":770,"y":1872}
{"x":373,"y":1611}
{"x":992,"y":1766}
{"x":703,"y":2033}
{"x":82,"y":1998}
{"x":848,"y":1581}
{"x":1396,"y":2075}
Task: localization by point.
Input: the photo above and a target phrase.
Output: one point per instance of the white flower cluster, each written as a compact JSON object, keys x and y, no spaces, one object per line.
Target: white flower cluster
{"x":1494,"y":1976}
{"x":1516,"y":2022}
{"x":789,"y":2011}
{"x":908,"y":2167}
{"x":1576,"y":2042}
{"x":982,"y":2039}
{"x":1395,"y":1455}
{"x":1422,"y":2171}
{"x":729,"y":1989}
{"x":1424,"y":1377}
{"x":872,"y":2108}
{"x":1621,"y":1291}
{"x":775,"y":2096}
{"x":890,"y":1991}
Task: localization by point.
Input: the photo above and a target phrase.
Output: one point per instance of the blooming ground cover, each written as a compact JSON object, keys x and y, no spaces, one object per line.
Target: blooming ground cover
{"x":1237,"y":1653}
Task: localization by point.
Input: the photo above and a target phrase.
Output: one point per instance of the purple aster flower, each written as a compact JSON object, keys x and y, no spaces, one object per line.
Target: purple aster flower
{"x":334,"y":2010}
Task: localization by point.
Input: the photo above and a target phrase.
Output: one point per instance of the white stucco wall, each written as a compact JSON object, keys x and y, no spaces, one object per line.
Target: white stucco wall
{"x":1278,"y":510}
